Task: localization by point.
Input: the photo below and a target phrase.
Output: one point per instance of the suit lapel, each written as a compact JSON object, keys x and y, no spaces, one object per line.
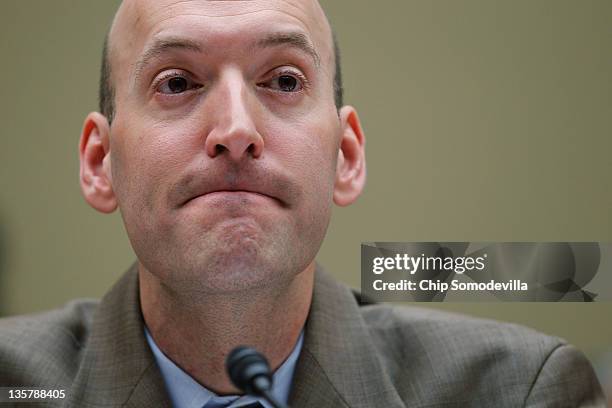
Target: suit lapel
{"x":338,"y":365}
{"x":118,"y":368}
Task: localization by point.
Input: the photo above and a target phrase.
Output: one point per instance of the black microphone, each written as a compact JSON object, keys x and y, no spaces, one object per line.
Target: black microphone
{"x":250,"y":372}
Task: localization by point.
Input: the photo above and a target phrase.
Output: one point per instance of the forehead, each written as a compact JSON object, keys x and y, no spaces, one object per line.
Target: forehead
{"x":139,"y":22}
{"x":153,"y":10}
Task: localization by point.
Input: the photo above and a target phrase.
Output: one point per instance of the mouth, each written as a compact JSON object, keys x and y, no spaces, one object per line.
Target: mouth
{"x":243,"y":195}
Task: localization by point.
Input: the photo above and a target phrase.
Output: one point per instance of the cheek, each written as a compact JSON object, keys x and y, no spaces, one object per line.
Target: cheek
{"x":142,"y":162}
{"x":309,"y":154}
{"x":316,"y":153}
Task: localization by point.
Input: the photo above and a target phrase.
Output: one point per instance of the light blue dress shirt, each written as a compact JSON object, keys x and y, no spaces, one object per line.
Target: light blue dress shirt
{"x":185,"y":392}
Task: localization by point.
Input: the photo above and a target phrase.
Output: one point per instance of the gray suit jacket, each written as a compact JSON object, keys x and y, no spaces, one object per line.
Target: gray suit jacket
{"x":353,"y":356}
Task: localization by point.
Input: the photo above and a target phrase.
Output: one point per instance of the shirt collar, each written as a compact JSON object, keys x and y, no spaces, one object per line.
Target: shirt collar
{"x":185,"y":392}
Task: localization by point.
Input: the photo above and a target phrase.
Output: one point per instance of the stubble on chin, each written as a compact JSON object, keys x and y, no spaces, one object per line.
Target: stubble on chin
{"x":234,"y":257}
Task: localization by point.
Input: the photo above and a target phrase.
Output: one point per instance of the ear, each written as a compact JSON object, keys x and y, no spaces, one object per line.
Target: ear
{"x":351,"y":167}
{"x":95,"y":172}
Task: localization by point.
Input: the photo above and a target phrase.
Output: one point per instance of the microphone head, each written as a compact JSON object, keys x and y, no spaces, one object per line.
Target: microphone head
{"x":249,"y":370}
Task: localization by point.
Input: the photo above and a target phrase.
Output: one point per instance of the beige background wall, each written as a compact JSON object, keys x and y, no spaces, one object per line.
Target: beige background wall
{"x":485,"y":120}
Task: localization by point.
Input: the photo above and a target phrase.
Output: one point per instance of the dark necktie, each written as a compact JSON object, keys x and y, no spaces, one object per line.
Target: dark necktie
{"x":255,"y":404}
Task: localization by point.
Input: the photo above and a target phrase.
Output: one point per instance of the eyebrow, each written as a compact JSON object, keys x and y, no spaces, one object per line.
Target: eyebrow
{"x":295,"y":39}
{"x":159,"y":47}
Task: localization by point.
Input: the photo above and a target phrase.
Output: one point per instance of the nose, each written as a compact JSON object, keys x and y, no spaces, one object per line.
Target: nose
{"x":234,"y":133}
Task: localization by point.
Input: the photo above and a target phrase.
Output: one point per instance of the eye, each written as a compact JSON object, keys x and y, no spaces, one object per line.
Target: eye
{"x":285,"y":82}
{"x":175,"y":83}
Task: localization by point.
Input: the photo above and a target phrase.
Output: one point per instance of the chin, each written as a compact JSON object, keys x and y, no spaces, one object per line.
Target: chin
{"x":233,"y":274}
{"x":235,"y":255}
{"x":228,"y":264}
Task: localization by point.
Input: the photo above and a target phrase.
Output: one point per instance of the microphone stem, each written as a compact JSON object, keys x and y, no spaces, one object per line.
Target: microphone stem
{"x":270,"y":398}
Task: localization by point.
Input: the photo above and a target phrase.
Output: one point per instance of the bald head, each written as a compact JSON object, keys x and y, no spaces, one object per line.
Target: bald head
{"x":127,"y":14}
{"x":228,"y":150}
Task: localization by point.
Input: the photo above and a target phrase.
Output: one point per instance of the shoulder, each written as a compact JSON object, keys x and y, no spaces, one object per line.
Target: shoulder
{"x":41,"y":348}
{"x":452,"y":354}
{"x":442,"y":337}
{"x":454,"y":331}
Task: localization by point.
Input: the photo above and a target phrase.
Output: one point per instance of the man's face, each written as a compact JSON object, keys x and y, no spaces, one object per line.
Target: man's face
{"x":224,"y":146}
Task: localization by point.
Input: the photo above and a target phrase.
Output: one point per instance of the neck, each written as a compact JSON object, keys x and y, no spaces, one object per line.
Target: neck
{"x":198,"y":332}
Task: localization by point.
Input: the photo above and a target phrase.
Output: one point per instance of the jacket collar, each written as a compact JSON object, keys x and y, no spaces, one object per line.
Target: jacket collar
{"x":118,"y":368}
{"x":338,"y":365}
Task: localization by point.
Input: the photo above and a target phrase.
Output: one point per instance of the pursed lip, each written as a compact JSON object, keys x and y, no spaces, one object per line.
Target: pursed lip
{"x":237,"y":191}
